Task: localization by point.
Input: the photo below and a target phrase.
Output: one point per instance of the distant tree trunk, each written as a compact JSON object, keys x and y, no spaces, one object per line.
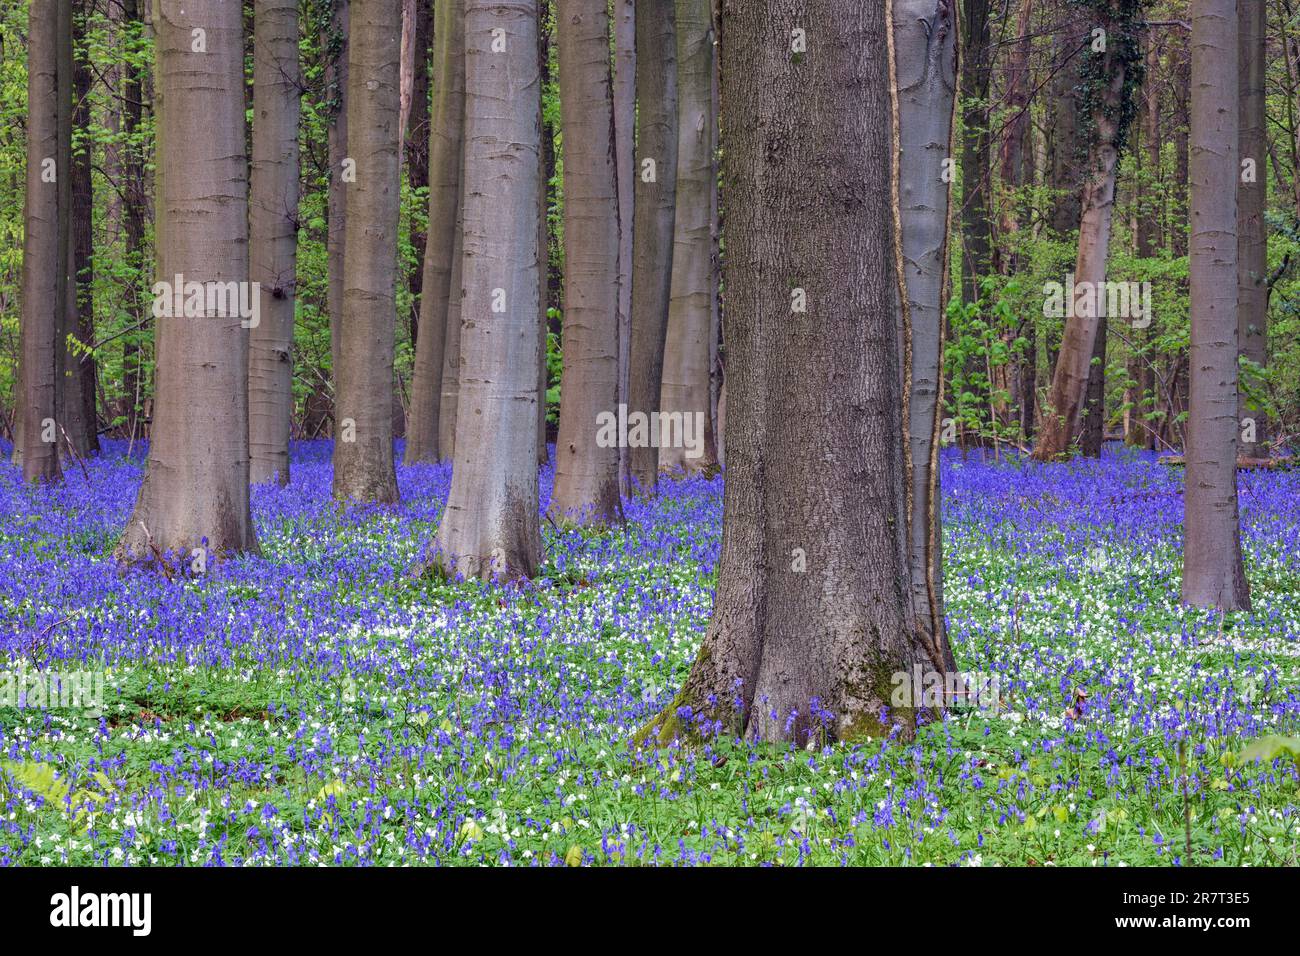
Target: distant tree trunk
{"x":1213,"y":573}
{"x":543,"y":240}
{"x":491,"y":525}
{"x":925,"y":64}
{"x":273,"y":236}
{"x":79,"y":375}
{"x":975,"y":174}
{"x":1092,"y":434}
{"x":656,"y":207}
{"x":135,"y":210}
{"x":685,"y":389}
{"x":1061,"y":416}
{"x":586,"y":468}
{"x":363,"y":452}
{"x":624,"y":79}
{"x":446,"y":145}
{"x":793,"y":654}
{"x":336,"y":81}
{"x":1252,"y":234}
{"x":415,"y":145}
{"x":195,"y":492}
{"x":1139,"y":432}
{"x":44,"y":250}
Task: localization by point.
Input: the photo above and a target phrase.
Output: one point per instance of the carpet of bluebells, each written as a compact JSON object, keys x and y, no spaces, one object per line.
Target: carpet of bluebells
{"x":319,"y":704}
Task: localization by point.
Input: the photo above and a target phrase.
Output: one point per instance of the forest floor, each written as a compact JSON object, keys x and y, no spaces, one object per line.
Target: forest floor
{"x":318,"y":704}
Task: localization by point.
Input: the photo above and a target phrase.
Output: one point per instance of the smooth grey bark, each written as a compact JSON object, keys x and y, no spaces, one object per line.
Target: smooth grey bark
{"x":491,"y":525}
{"x":1252,"y":233}
{"x":1213,"y":573}
{"x":363,"y":466}
{"x":925,"y":64}
{"x":688,"y":348}
{"x":273,"y":236}
{"x":655,"y":202}
{"x":624,"y":85}
{"x":586,"y":472}
{"x":336,"y":80}
{"x":449,"y":399}
{"x":195,"y":490}
{"x":446,"y":147}
{"x":815,"y":442}
{"x":44,"y":252}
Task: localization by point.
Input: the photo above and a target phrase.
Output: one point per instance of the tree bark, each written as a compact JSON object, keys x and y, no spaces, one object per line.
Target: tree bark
{"x":1061,"y":417}
{"x":415,"y":145}
{"x":79,"y":374}
{"x":44,"y":250}
{"x":1213,"y":573}
{"x":586,"y":470}
{"x":1139,"y":433}
{"x":815,"y":443}
{"x":363,"y":466}
{"x":491,"y":527}
{"x":925,"y":66}
{"x":1252,"y":233}
{"x":624,"y":85}
{"x":194,"y":497}
{"x":976,"y":215}
{"x":656,"y":210}
{"x":273,"y":236}
{"x":336,"y":80}
{"x":446,"y":146}
{"x":686,"y":386}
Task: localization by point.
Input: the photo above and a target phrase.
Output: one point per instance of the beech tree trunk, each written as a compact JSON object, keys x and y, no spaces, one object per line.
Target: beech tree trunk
{"x":79,"y":375}
{"x":624,"y":80}
{"x":656,"y":208}
{"x":688,"y":343}
{"x":925,"y":54}
{"x":1062,"y":414}
{"x":447,"y":120}
{"x":812,"y":614}
{"x":415,"y":144}
{"x":586,"y":471}
{"x":273,"y":236}
{"x":1252,"y":233}
{"x":194,"y":498}
{"x":1140,"y":431}
{"x":44,"y":252}
{"x":363,"y":451}
{"x":491,"y":525}
{"x":1213,"y":573}
{"x":976,"y":214}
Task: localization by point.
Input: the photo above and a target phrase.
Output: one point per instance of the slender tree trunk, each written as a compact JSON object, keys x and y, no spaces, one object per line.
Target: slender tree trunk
{"x":491,"y":525}
{"x":1092,"y":433}
{"x":925,"y":56}
{"x":1139,"y":434}
{"x":812,"y":614}
{"x":135,"y":214}
{"x":1252,"y":234}
{"x":656,"y":209}
{"x":446,"y":146}
{"x":194,"y":498}
{"x":976,"y":214}
{"x":1063,"y":126}
{"x":415,"y":145}
{"x":448,"y":402}
{"x":44,"y":250}
{"x":586,"y":468}
{"x":79,"y":377}
{"x":336,"y":81}
{"x":543,"y":238}
{"x":685,"y":390}
{"x":624,"y":80}
{"x":363,"y":452}
{"x":1061,"y":418}
{"x":1213,"y":572}
{"x":273,"y":236}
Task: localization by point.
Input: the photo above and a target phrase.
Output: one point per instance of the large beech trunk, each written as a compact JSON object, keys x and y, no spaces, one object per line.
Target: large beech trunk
{"x":925,"y":54}
{"x":273,"y":236}
{"x":44,"y":251}
{"x":447,"y":122}
{"x":363,"y":450}
{"x":812,"y":616}
{"x":195,"y":491}
{"x":586,"y":469}
{"x":1213,"y":574}
{"x":688,"y":348}
{"x":491,"y":525}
